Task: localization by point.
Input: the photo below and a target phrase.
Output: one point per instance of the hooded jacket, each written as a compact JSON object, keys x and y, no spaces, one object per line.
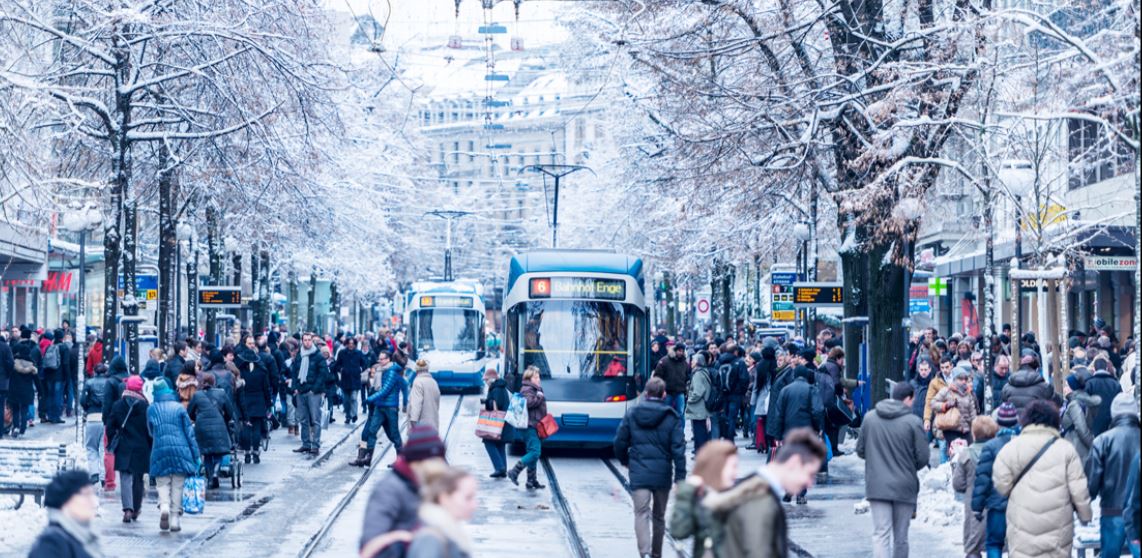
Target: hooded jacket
{"x":700,"y":386}
{"x":649,"y":440}
{"x":116,"y":378}
{"x":211,"y":421}
{"x":894,"y":447}
{"x":175,"y":450}
{"x":798,"y":406}
{"x":1107,"y":468}
{"x":255,"y":399}
{"x":674,"y":371}
{"x":1076,"y":429}
{"x":1106,"y":386}
{"x":750,"y":520}
{"x":1025,"y":386}
{"x":393,"y":388}
{"x":984,"y":496}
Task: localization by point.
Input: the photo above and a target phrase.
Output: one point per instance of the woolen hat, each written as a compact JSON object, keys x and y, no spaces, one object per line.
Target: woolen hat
{"x":422,"y":365}
{"x":423,"y":443}
{"x":1124,"y":404}
{"x":961,"y":372}
{"x":1074,"y":382}
{"x":135,"y":383}
{"x":1007,"y":416}
{"x":161,"y":387}
{"x":64,"y":486}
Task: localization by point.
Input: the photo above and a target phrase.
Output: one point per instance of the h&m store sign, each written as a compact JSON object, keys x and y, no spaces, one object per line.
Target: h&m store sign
{"x":56,"y":282}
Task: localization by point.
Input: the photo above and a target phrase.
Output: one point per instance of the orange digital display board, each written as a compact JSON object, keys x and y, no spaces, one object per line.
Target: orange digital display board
{"x":818,"y":294}
{"x":219,"y":297}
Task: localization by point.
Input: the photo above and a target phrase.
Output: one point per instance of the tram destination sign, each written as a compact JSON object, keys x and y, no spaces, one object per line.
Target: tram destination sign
{"x":814,"y":295}
{"x":219,"y":297}
{"x":445,"y":301}
{"x":577,"y":287}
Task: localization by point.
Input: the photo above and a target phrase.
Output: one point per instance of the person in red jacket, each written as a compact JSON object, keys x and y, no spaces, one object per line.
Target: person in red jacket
{"x":94,"y":355}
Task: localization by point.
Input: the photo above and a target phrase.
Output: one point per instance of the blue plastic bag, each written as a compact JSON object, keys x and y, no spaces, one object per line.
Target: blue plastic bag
{"x":194,"y":495}
{"x":828,"y":449}
{"x":517,"y":412}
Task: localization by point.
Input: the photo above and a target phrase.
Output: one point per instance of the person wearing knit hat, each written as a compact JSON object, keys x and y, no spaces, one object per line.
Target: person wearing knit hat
{"x":391,"y":514}
{"x":129,"y":441}
{"x":72,"y":505}
{"x":953,"y":410}
{"x":1007,"y":416}
{"x":985,"y":499}
{"x":1108,"y":471}
{"x":1076,"y":412}
{"x":424,"y":398}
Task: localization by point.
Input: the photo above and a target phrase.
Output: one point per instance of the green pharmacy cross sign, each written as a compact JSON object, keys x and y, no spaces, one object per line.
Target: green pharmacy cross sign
{"x":937,"y":286}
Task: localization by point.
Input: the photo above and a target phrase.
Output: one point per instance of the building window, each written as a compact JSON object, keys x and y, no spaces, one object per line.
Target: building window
{"x":471,"y":151}
{"x":1094,"y":154}
{"x":455,"y":152}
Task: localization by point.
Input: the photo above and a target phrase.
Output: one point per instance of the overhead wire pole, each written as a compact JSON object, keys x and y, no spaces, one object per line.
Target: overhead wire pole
{"x":449,"y":216}
{"x":556,"y":171}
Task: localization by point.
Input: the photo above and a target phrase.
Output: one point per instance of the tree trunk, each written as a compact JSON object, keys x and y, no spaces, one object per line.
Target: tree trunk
{"x":854,"y":264}
{"x":292,"y":308}
{"x":111,"y":254}
{"x":311,"y":316}
{"x":887,"y":285}
{"x":335,"y":305}
{"x":214,"y":253}
{"x":255,"y":292}
{"x":669,"y":302}
{"x":264,"y":304}
{"x":236,"y":263}
{"x":130,"y":284}
{"x":727,"y":300}
{"x":168,"y":248}
{"x":192,"y":291}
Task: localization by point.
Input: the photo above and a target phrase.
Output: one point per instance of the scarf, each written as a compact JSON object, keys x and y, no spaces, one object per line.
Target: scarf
{"x":78,"y":531}
{"x":303,"y":367}
{"x":437,"y":520}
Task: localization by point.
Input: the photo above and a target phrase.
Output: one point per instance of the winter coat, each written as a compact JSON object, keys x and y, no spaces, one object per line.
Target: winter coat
{"x":1107,"y":467}
{"x":439,"y":536}
{"x":649,"y":440}
{"x":128,"y":420}
{"x":1106,"y":386}
{"x":798,"y":406}
{"x":689,"y":518}
{"x":152,"y":370}
{"x":536,"y":403}
{"x":318,"y":376}
{"x":211,"y":422}
{"x":94,"y":357}
{"x":997,"y":384}
{"x":738,"y":380}
{"x":1025,"y":386}
{"x":393,"y":505}
{"x":393,"y":389}
{"x":22,"y":387}
{"x":175,"y":450}
{"x":696,"y":395}
{"x":173,"y":368}
{"x":7,"y":365}
{"x":984,"y":495}
{"x":963,"y":480}
{"x":673,"y":371}
{"x":920,"y":389}
{"x":1040,"y":511}
{"x":424,"y":401}
{"x":255,"y":399}
{"x":950,"y":397}
{"x":783,"y":379}
{"x":1075,"y":428}
{"x":765,"y":375}
{"x":894,"y":447}
{"x":348,"y":365}
{"x":58,"y":540}
{"x":116,"y":384}
{"x":1130,"y":515}
{"x":94,"y":389}
{"x":938,"y":383}
{"x":751,"y":518}
{"x":223,"y":377}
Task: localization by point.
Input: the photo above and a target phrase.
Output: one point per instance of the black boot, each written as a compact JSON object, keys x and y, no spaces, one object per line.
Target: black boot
{"x":533,"y":480}
{"x":364,"y":458}
{"x":513,"y":475}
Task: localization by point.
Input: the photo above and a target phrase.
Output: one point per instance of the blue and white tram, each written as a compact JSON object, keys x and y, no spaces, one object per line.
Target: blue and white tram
{"x":580,"y":317}
{"x":446,"y":328}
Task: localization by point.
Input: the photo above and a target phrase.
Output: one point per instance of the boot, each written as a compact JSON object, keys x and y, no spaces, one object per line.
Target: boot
{"x":364,"y":458}
{"x":513,"y":475}
{"x":127,"y":516}
{"x":164,"y":521}
{"x":533,"y":480}
{"x":176,"y":522}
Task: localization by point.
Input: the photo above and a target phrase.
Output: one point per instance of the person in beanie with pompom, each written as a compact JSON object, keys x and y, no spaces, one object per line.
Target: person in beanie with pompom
{"x":392,"y":512}
{"x":987,"y":503}
{"x":72,"y":504}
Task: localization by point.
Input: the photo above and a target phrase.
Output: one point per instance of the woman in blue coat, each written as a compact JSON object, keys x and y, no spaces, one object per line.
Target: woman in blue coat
{"x":174,"y":455}
{"x":349,"y":365}
{"x":255,"y":398}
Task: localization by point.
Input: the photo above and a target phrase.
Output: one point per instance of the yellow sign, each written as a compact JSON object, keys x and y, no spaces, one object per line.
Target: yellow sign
{"x":152,"y":294}
{"x":784,"y":315}
{"x":1049,"y":214}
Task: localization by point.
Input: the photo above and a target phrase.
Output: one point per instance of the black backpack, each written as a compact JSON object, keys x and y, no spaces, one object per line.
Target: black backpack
{"x":727,"y":377}
{"x":715,"y":396}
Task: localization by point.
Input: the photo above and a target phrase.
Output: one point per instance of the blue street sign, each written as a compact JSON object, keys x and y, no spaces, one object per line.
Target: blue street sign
{"x":783,"y":278}
{"x":919,"y":306}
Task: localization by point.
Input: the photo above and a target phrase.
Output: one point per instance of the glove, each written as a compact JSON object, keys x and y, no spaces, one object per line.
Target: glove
{"x":978,"y":516}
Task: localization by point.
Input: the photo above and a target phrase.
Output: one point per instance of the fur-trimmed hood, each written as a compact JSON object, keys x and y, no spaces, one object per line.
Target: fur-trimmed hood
{"x":435,"y":518}
{"x":750,"y":488}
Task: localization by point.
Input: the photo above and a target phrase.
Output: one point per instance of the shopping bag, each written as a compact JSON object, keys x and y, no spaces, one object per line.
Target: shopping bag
{"x":517,"y":412}
{"x":194,"y":495}
{"x":547,"y":427}
{"x":490,"y":425}
{"x":246,"y":436}
{"x":828,"y":449}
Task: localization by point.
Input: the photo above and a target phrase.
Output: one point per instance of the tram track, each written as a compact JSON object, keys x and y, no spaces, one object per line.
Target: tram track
{"x":577,"y":545}
{"x":314,"y":542}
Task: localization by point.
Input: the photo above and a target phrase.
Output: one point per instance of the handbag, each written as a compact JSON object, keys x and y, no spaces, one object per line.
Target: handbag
{"x":25,"y":366}
{"x":490,"y":425}
{"x":517,"y":412}
{"x":113,"y":444}
{"x":948,"y":420}
{"x":547,"y":427}
{"x":839,"y":413}
{"x":194,"y":495}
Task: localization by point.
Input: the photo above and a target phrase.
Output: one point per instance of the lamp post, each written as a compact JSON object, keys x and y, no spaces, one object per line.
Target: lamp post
{"x":448,"y":216}
{"x":802,"y":233}
{"x":183,"y":232}
{"x":81,"y":220}
{"x":1019,"y":177}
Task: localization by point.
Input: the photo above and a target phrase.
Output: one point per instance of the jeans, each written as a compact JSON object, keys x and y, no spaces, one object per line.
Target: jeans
{"x":498,"y":454}
{"x":890,"y":521}
{"x":531,"y":441}
{"x":54,"y":400}
{"x":349,"y":403}
{"x":3,"y":406}
{"x":131,"y":491}
{"x":996,"y":532}
{"x":650,"y":511}
{"x":309,"y":416}
{"x":1135,"y":549}
{"x":678,"y":401}
{"x":701,"y":433}
{"x":93,"y":441}
{"x":382,"y":417}
{"x":730,"y":418}
{"x":1111,"y":535}
{"x":715,"y":426}
{"x":211,"y":462}
{"x":19,"y":418}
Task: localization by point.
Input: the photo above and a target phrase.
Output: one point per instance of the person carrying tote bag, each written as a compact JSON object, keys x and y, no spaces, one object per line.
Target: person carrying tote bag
{"x":493,"y":427}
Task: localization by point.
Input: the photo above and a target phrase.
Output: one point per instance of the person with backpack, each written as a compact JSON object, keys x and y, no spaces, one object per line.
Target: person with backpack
{"x":732,"y":378}
{"x":1079,"y":406}
{"x":701,"y":399}
{"x":798,"y":406}
{"x":54,"y":369}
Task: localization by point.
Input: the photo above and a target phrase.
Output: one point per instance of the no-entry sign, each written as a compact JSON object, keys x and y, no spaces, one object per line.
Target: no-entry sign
{"x":702,"y":305}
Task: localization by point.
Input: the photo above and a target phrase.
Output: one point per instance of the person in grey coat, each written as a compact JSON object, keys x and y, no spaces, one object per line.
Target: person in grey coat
{"x":1080,"y":405}
{"x":696,"y":411}
{"x":894,"y":447}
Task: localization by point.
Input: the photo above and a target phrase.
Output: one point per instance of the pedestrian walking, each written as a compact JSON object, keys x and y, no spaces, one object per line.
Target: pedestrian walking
{"x":1130,"y":514}
{"x":424,"y":398}
{"x":649,"y":442}
{"x":72,"y":505}
{"x":1108,"y":469}
{"x":497,"y":398}
{"x":255,"y":398}
{"x":129,"y":441}
{"x":799,"y":406}
{"x":696,"y":396}
{"x":765,"y":377}
{"x":674,"y":371}
{"x":963,"y":480}
{"x":941,"y":380}
{"x":1103,"y":384}
{"x":1079,"y":406}
{"x":749,"y":515}
{"x":214,"y":416}
{"x":385,"y":404}
{"x":532,"y":392}
{"x":894,"y":447}
{"x":7,"y":369}
{"x":715,"y":470}
{"x":987,"y":504}
{"x":449,"y":501}
{"x":309,"y":374}
{"x":787,"y":360}
{"x":91,"y":402}
{"x":392,"y":512}
{"x":24,"y":384}
{"x":1045,"y":486}
{"x":953,"y":410}
{"x":174,"y":456}
{"x":187,"y":385}
{"x":348,"y":366}
{"x":1027,"y":385}
{"x":154,"y":367}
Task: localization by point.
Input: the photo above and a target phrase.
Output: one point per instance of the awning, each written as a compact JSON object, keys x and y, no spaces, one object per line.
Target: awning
{"x":1089,"y":237}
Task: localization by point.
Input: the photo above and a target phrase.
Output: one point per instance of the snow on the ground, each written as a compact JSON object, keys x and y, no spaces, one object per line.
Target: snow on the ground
{"x":937,"y":504}
{"x":20,"y":527}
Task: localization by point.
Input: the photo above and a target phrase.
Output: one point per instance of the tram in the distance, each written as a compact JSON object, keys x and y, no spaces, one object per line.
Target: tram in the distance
{"x":446,"y":328}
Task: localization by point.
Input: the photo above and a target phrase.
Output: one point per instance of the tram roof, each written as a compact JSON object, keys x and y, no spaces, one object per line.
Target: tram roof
{"x":585,"y":261}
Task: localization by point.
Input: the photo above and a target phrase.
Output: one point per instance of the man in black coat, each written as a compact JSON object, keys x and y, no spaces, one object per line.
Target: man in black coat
{"x":22,"y":387}
{"x":799,"y":405}
{"x":7,"y":368}
{"x":176,"y":362}
{"x":1108,"y":471}
{"x":649,"y":441}
{"x":72,"y":504}
{"x":675,"y":372}
{"x":116,"y":377}
{"x":1103,"y":384}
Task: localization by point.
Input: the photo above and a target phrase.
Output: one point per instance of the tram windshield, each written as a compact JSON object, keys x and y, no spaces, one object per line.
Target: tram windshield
{"x":446,"y":329}
{"x":576,"y":339}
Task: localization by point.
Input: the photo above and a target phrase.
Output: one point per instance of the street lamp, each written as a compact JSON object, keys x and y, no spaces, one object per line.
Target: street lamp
{"x":1018,"y":175}
{"x":803,"y":234}
{"x":81,"y":220}
{"x":183,"y":232}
